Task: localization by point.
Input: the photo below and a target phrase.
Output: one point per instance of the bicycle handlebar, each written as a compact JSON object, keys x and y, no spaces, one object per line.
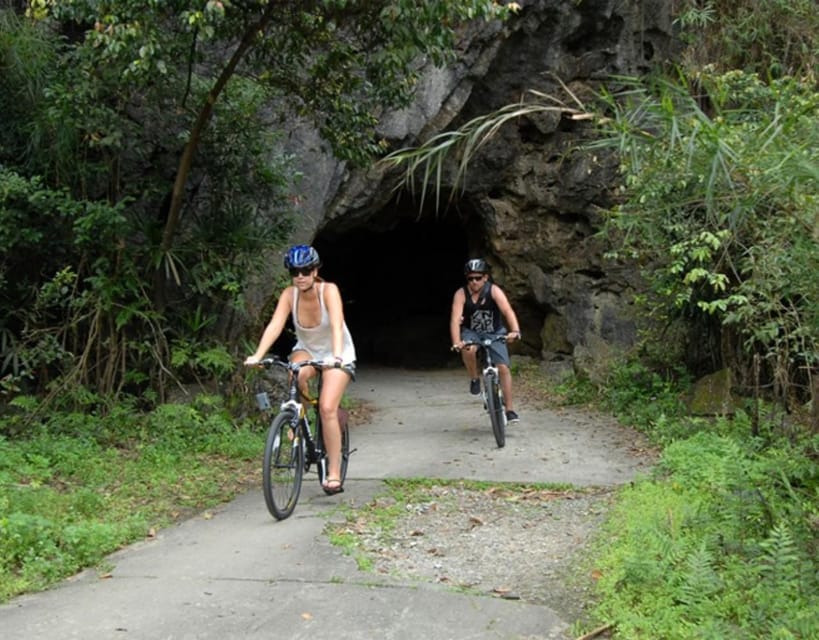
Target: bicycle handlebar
{"x":485,"y":340}
{"x":294,"y":366}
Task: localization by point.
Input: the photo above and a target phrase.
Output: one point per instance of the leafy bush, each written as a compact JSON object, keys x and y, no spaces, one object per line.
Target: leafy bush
{"x":720,"y":544}
{"x":774,"y":38}
{"x":644,"y":396}
{"x":79,"y":486}
{"x":719,"y":200}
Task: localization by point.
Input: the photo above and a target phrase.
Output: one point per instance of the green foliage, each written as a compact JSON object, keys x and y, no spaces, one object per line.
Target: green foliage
{"x":774,"y":38}
{"x":720,"y":543}
{"x":720,"y":205}
{"x":213,"y":362}
{"x":80,"y":486}
{"x":577,"y":391}
{"x":644,"y":396}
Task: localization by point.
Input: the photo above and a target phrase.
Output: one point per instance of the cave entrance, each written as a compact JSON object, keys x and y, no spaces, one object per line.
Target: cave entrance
{"x":397,"y":272}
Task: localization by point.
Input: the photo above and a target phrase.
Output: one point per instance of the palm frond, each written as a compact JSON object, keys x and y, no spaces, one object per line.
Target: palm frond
{"x":429,"y":159}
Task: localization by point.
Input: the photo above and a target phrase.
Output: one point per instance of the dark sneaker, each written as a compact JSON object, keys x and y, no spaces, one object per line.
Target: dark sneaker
{"x":475,"y":386}
{"x":511,"y":416}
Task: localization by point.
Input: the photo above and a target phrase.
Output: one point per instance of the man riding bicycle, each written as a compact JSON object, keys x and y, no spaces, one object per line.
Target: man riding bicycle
{"x":480,"y":307}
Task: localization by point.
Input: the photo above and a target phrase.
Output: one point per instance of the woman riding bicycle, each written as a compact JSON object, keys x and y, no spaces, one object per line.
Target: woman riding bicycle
{"x":318,"y":316}
{"x":480,"y":307}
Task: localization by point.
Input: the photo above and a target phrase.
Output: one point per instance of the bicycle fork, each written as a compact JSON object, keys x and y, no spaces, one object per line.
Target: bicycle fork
{"x":487,"y":374}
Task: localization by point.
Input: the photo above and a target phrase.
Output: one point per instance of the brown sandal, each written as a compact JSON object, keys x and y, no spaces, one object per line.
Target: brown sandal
{"x":332,"y":486}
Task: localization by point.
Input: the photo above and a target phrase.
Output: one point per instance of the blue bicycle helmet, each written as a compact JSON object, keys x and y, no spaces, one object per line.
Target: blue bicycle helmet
{"x":302,"y":256}
{"x":476,"y":265}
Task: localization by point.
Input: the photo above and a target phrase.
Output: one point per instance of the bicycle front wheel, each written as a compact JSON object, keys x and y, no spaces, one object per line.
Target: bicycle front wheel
{"x":283,"y":466}
{"x":494,"y":405}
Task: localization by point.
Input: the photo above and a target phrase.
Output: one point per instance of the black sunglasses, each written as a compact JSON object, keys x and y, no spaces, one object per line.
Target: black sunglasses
{"x":474,"y":278}
{"x":301,"y":271}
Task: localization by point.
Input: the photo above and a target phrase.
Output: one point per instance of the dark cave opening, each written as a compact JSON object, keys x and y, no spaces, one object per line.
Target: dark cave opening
{"x":397,"y":273}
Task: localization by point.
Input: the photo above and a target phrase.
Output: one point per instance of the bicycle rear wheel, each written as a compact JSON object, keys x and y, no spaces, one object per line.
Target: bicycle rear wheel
{"x":283,"y":466}
{"x":494,"y":405}
{"x":345,"y":450}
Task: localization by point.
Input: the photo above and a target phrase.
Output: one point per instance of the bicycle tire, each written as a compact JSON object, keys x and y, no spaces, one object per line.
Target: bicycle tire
{"x":494,"y":405}
{"x":345,"y":454}
{"x":283,"y":466}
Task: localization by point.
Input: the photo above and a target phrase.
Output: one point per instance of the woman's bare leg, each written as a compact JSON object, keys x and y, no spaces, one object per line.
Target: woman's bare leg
{"x":334,"y":383}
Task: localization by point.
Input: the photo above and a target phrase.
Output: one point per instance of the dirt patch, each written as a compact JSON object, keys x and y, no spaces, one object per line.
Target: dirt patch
{"x":521,"y":544}
{"x":360,"y":412}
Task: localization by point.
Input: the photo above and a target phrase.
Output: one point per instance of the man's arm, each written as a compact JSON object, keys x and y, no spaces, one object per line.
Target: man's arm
{"x":455,"y":316}
{"x":508,"y":312}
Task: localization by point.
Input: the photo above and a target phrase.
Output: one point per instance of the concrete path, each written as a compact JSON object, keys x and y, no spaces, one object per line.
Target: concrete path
{"x":238,"y":573}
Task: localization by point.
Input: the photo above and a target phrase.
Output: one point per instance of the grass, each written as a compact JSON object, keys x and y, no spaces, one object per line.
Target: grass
{"x":721,"y":541}
{"x":80,"y":487}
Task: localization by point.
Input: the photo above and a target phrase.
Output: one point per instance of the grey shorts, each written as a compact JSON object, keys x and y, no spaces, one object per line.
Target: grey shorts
{"x":500,"y":354}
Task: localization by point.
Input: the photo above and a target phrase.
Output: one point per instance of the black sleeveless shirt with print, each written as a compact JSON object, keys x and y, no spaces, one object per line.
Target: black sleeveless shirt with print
{"x":482,"y":316}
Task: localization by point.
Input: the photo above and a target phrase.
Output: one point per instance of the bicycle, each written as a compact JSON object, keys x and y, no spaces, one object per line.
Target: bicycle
{"x":490,"y":379}
{"x":293,"y":444}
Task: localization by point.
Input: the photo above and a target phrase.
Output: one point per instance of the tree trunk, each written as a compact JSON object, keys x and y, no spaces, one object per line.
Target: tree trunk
{"x":186,"y":161}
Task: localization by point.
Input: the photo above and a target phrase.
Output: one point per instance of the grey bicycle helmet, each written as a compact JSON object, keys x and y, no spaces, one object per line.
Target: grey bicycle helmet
{"x":302,"y":256}
{"x":476,"y":265}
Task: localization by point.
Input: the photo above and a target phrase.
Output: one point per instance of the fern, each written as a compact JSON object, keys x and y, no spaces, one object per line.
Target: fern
{"x":781,"y":560}
{"x":699,"y":581}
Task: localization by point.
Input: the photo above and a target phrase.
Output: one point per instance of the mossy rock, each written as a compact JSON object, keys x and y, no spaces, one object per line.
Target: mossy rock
{"x":712,"y":395}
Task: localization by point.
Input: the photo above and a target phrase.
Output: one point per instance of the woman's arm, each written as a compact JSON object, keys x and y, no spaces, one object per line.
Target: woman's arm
{"x":335,"y":310}
{"x":275,"y":327}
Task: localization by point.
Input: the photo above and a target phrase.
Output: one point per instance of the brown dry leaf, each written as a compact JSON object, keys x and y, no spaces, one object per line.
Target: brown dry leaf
{"x":306,"y":616}
{"x":596,"y":574}
{"x":151,"y":533}
{"x":416,"y":532}
{"x":207,"y":515}
{"x":501,"y":590}
{"x":476,"y":521}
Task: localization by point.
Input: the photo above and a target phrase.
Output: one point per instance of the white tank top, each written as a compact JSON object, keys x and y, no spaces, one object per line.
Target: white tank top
{"x":318,"y":340}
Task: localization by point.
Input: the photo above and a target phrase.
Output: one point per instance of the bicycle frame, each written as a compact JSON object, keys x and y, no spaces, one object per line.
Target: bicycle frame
{"x":314,"y":452}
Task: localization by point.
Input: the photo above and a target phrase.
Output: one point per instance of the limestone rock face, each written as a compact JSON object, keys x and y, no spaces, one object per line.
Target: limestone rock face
{"x":532,"y":199}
